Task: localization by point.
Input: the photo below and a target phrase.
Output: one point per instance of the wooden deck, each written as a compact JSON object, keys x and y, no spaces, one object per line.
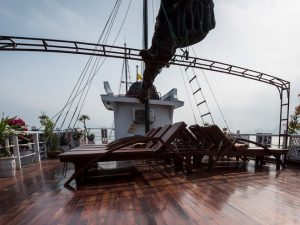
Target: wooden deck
{"x":153,"y":195}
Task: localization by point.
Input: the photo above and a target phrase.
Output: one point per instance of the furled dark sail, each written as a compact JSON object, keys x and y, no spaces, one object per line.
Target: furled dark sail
{"x":179,"y":23}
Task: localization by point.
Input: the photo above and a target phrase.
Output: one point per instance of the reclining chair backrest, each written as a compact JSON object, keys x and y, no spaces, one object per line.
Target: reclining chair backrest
{"x":152,"y":132}
{"x":158,"y":134}
{"x":167,"y":137}
{"x":202,"y":137}
{"x":186,"y":139}
{"x":217,"y":136}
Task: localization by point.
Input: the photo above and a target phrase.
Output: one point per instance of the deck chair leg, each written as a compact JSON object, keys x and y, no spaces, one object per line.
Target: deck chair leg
{"x":188,"y":164}
{"x":263,"y":160}
{"x":256,"y":161}
{"x":167,"y":160}
{"x":284,"y":160}
{"x":278,"y":162}
{"x":210,"y":162}
{"x":197,"y":161}
{"x":78,"y":180}
{"x":177,"y":164}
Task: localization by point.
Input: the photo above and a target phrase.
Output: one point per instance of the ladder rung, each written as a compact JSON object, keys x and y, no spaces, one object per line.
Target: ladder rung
{"x":201,"y":103}
{"x":192,"y":79}
{"x":196,"y":91}
{"x":283,"y":119}
{"x":284,"y":104}
{"x":205,"y":114}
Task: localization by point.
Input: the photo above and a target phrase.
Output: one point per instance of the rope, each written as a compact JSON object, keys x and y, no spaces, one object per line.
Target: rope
{"x":203,"y":96}
{"x":93,"y":73}
{"x":95,"y":67}
{"x":214,"y":97}
{"x":153,"y":20}
{"x":169,"y":25}
{"x":81,"y":77}
{"x":121,"y":77}
{"x":186,"y":89}
{"x":196,"y":102}
{"x":98,"y":58}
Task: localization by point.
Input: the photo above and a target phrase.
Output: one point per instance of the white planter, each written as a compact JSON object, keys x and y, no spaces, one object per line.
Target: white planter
{"x":8,"y":167}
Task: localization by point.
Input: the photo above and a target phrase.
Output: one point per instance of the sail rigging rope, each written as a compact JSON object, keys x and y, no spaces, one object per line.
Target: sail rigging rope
{"x":98,"y":61}
{"x":213,"y":94}
{"x":81,"y":77}
{"x":175,"y":40}
{"x":187,"y":92}
{"x":95,"y":68}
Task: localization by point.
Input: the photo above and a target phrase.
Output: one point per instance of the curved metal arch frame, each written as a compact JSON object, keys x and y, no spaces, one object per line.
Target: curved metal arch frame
{"x":12,"y":43}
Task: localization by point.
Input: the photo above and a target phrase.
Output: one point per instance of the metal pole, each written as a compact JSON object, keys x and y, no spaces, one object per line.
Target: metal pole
{"x":137,"y":72}
{"x":126,"y":66}
{"x":145,"y":24}
{"x":280,"y":120}
{"x":147,"y":105}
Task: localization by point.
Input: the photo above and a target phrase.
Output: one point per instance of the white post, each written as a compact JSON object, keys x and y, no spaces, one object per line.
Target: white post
{"x":7,"y":144}
{"x":36,"y":146}
{"x":16,"y":149}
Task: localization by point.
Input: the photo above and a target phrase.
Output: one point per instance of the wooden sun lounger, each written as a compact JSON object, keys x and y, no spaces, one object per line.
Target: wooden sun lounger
{"x":221,"y":146}
{"x":120,"y":142}
{"x":83,"y":158}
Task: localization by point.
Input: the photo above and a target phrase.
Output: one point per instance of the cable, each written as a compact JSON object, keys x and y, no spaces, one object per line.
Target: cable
{"x":210,"y":88}
{"x":96,"y":63}
{"x":196,"y":102}
{"x":153,"y":12}
{"x":188,"y":96}
{"x":81,"y":77}
{"x":98,"y":59}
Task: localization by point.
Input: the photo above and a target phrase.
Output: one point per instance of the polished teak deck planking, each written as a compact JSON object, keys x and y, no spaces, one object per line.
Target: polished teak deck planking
{"x":153,"y":194}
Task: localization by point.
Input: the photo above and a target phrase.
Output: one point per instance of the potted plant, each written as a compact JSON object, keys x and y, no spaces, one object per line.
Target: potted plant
{"x":294,"y":124}
{"x":76,"y":137}
{"x":7,"y":159}
{"x":63,"y":143}
{"x":51,"y":140}
{"x":91,"y":138}
{"x":83,"y":118}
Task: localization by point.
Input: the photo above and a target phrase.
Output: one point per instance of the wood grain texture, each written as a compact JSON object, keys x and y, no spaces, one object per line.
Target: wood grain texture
{"x":153,"y":194}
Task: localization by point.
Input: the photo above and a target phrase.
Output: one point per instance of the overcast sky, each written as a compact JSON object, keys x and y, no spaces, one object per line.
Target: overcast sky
{"x":262,"y":35}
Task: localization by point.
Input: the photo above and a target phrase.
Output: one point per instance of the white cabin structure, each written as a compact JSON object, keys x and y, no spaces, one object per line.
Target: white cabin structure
{"x":129,"y":116}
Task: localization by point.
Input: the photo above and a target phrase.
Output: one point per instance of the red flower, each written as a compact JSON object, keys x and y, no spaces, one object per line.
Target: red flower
{"x":18,"y":124}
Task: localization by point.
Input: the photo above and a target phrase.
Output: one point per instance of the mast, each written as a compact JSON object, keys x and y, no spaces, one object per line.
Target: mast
{"x":145,"y":46}
{"x":145,"y":24}
{"x":126,"y":68}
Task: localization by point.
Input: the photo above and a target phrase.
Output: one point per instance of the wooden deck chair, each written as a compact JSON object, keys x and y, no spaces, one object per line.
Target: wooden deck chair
{"x":137,"y":141}
{"x":227,"y":147}
{"x":186,"y":140}
{"x":151,"y":133}
{"x":158,"y":143}
{"x":123,"y":140}
{"x":204,"y":141}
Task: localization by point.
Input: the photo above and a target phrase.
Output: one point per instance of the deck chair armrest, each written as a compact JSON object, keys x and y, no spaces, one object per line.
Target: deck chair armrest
{"x":252,"y":142}
{"x":130,"y":142}
{"x":123,"y":140}
{"x":143,"y":143}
